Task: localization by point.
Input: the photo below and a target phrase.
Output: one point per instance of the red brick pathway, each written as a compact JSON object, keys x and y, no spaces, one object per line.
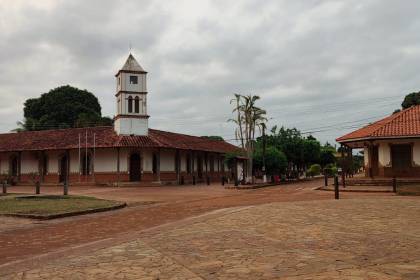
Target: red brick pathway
{"x":39,"y":239}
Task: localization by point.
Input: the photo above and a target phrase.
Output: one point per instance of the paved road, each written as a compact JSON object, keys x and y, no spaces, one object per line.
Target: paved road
{"x":376,"y":238}
{"x":171,"y":204}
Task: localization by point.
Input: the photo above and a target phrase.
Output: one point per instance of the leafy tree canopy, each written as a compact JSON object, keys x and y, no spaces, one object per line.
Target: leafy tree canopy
{"x":411,"y":100}
{"x":275,"y":160}
{"x":327,"y":155}
{"x":63,"y":107}
{"x":213,"y":137}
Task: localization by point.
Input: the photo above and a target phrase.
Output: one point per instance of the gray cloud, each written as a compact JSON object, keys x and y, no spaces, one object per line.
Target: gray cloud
{"x":315,"y":63}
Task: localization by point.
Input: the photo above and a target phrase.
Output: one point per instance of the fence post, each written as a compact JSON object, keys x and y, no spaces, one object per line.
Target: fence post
{"x":37,"y":187}
{"x":336,"y":189}
{"x":223,"y":180}
{"x":394,"y":184}
{"x":4,"y":187}
{"x":343,"y":178}
{"x":66,"y":187}
{"x":325,"y":179}
{"x":193,"y":179}
{"x":208,"y":180}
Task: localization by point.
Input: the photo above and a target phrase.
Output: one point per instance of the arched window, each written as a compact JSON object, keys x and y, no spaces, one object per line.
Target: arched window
{"x":130,"y":104}
{"x":136,"y":105}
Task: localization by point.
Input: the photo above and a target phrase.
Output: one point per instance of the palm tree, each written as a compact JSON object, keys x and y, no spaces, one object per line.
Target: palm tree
{"x":238,"y":120}
{"x":249,"y":118}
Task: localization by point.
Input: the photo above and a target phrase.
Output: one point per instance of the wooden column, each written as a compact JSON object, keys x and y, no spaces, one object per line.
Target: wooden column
{"x":192,"y":164}
{"x":66,"y":180}
{"x":235,"y":169}
{"x":118,"y":166}
{"x":19,"y":166}
{"x":205,"y":162}
{"x":177,"y":165}
{"x":158,"y":165}
{"x":68,"y":165}
{"x":343,"y":166}
{"x":92,"y":163}
{"x":370,"y":159}
{"x":41,"y":170}
{"x":350,"y":160}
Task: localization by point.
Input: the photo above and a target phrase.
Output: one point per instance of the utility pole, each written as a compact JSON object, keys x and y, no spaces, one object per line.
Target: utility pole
{"x":80,"y":168}
{"x":94,"y":155}
{"x":263,"y":155}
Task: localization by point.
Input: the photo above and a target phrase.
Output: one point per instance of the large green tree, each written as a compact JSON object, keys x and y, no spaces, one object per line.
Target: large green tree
{"x":311,"y":151}
{"x":63,"y":107}
{"x":327,"y":155}
{"x":275,"y":160}
{"x":411,"y":100}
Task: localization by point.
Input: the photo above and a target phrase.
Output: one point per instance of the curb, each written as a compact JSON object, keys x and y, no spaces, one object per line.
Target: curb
{"x":359,"y":191}
{"x":252,"y":187}
{"x":68,"y":214}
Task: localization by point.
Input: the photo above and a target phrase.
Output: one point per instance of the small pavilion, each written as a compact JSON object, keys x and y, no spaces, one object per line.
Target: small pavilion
{"x":391,"y":146}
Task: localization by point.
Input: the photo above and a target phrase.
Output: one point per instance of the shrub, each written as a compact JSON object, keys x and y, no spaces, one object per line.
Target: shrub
{"x":330,"y":170}
{"x":315,"y":169}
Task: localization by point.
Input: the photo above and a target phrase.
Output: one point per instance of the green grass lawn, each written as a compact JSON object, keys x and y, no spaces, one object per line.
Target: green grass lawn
{"x":44,"y":205}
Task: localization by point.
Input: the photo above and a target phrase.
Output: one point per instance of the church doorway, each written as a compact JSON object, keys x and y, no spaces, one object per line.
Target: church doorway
{"x":135,"y":166}
{"x":63,"y":168}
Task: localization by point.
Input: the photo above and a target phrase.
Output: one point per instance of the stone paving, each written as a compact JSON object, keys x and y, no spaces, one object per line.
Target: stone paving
{"x":10,"y":223}
{"x":372,"y":238}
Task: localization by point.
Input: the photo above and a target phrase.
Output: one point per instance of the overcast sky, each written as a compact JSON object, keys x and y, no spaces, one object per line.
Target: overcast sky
{"x":323,"y":66}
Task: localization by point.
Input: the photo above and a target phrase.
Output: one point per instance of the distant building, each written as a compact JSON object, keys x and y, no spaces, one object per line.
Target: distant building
{"x":127,"y":152}
{"x":391,"y":146}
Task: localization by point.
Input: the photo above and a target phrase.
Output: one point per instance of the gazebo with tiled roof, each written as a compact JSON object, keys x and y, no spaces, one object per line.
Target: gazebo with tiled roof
{"x":391,"y":145}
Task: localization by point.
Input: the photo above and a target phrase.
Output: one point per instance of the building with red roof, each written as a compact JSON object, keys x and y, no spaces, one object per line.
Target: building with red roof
{"x":391,"y":145}
{"x":128,"y":151}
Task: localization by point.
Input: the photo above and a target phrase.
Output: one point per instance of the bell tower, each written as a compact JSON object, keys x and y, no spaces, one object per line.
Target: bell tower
{"x":131,"y":117}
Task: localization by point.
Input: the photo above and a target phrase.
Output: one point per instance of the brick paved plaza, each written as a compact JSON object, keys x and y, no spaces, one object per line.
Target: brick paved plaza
{"x":283,"y":235}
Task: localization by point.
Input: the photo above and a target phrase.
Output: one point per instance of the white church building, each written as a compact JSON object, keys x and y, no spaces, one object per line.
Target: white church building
{"x":128,"y":151}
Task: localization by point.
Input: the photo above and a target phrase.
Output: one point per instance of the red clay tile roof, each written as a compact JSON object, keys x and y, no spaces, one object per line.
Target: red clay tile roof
{"x":105,"y":137}
{"x":403,"y":124}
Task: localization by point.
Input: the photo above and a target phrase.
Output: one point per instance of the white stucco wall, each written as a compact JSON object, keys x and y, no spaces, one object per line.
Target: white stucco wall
{"x":53,"y":161}
{"x":29,"y":162}
{"x":183,"y":159}
{"x":167,"y":160}
{"x":124,"y":160}
{"x":416,"y":153}
{"x":147,"y":158}
{"x":240,"y":169}
{"x":125,"y":85}
{"x":384,"y":151}
{"x":216,"y":163}
{"x":366,"y":156}
{"x":128,"y":126}
{"x":105,"y":160}
{"x":74,"y":161}
{"x":384,"y":154}
{"x":195,"y":164}
{"x":4,"y":163}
